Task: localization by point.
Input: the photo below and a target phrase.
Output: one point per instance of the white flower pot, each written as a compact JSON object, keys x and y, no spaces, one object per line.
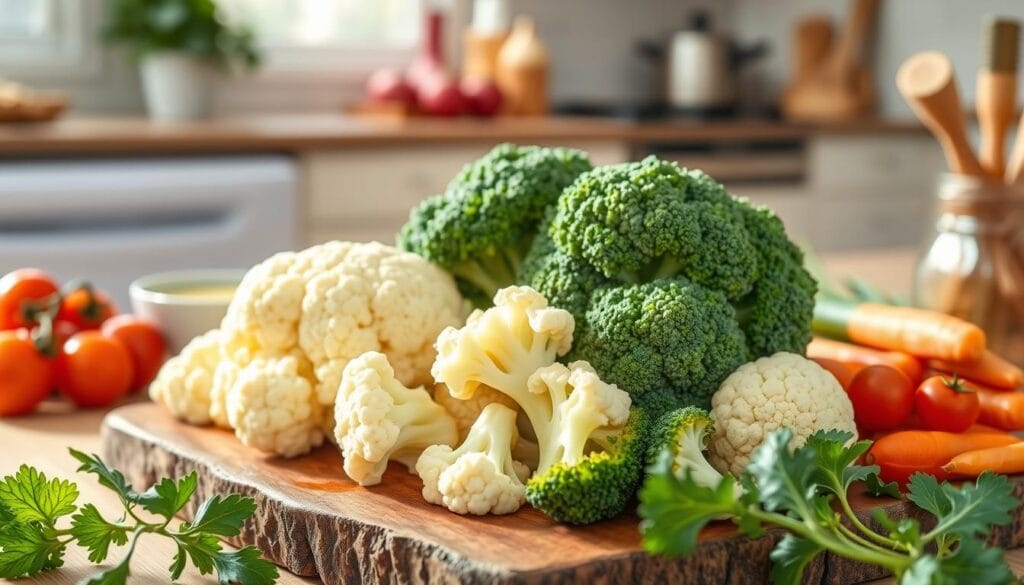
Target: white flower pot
{"x":177,"y":87}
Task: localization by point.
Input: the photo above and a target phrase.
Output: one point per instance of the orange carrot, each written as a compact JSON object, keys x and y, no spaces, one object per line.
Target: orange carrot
{"x":1005,"y":459}
{"x":1000,"y":409}
{"x":919,"y":332}
{"x":903,"y":452}
{"x":854,"y":354}
{"x":990,"y":369}
{"x":843,"y":372}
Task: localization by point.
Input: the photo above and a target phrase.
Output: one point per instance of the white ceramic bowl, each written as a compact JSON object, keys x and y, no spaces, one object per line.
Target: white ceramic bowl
{"x":181,"y":317}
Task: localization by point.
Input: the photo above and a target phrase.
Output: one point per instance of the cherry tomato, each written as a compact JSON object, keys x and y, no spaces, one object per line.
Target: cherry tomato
{"x":26,"y":377}
{"x":882,"y":397}
{"x":26,"y":284}
{"x":841,"y":371}
{"x":86,"y":308}
{"x":94,"y":370}
{"x":946,"y":404}
{"x":144,"y":342}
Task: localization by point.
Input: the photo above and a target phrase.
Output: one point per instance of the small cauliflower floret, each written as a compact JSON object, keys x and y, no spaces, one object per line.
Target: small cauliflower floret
{"x":783,"y":390}
{"x":377,"y":299}
{"x":684,"y":433}
{"x":480,"y":476}
{"x":272,"y":406}
{"x":465,"y":412}
{"x":185,"y":382}
{"x":379,"y":419}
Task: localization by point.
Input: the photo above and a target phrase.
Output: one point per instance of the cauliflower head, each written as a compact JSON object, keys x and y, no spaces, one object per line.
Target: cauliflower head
{"x":184,"y":384}
{"x":272,"y":406}
{"x":376,"y":299}
{"x":378,"y":419}
{"x":480,"y":476}
{"x":782,"y":390}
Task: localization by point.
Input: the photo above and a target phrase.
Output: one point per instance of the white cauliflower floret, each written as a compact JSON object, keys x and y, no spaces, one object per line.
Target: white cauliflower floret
{"x":377,"y":299}
{"x":272,"y":406}
{"x":480,"y":476}
{"x":268,"y":302}
{"x":465,"y":412}
{"x":184,"y":383}
{"x":379,"y":419}
{"x":784,"y":390}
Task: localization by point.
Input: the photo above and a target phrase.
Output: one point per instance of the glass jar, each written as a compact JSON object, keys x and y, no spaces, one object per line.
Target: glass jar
{"x":974,"y":265}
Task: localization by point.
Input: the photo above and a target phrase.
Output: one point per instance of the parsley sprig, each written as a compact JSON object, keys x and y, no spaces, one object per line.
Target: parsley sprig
{"x":804,"y":491}
{"x":32,"y":539}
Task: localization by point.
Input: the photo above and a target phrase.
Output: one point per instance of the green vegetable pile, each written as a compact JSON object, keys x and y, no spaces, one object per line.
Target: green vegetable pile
{"x":672,"y":281}
{"x":805,"y":492}
{"x":32,"y":542}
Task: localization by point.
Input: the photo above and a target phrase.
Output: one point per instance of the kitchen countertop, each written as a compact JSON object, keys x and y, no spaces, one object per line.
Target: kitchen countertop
{"x":297,"y":132}
{"x":46,"y":436}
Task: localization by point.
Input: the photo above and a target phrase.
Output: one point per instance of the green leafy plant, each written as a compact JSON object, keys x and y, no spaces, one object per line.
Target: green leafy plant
{"x":804,"y":491}
{"x":31,"y":541}
{"x":189,"y":26}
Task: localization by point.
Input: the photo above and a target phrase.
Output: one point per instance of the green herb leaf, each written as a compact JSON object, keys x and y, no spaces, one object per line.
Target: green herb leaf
{"x":970,"y":510}
{"x":178,"y":565}
{"x":972,"y":563}
{"x":108,"y":478}
{"x":675,"y":509}
{"x":923,"y":571}
{"x":790,"y":557}
{"x":116,"y":575}
{"x":906,"y":531}
{"x":27,"y":549}
{"x":878,"y":488}
{"x":167,"y":497}
{"x":201,"y":548}
{"x":29,"y":497}
{"x":244,"y":566}
{"x":783,"y":477}
{"x":96,"y":534}
{"x":223,"y":516}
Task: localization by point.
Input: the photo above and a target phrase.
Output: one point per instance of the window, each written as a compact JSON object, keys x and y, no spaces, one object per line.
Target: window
{"x":46,"y":38}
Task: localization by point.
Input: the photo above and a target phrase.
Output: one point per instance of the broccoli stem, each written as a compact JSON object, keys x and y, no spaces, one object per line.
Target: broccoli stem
{"x":490,"y":272}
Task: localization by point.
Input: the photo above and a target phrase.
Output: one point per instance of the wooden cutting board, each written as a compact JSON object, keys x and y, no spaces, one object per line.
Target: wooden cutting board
{"x":313,"y":521}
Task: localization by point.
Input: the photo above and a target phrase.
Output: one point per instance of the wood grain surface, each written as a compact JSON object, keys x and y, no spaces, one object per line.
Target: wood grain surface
{"x":315,"y":522}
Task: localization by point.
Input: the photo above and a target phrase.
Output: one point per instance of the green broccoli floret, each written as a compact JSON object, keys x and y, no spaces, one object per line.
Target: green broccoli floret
{"x":480,"y":228}
{"x":582,"y":488}
{"x":664,"y":334}
{"x":638,"y":222}
{"x":776,"y":315}
{"x":658,"y":402}
{"x":565,"y":281}
{"x":684,"y":434}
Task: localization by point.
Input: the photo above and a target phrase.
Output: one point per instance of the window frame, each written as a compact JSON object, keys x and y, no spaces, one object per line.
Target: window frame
{"x":69,"y":49}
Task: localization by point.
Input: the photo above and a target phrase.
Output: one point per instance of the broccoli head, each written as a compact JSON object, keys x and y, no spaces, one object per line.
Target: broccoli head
{"x":565,"y":281}
{"x":670,"y":333}
{"x":480,"y":228}
{"x":598,"y":484}
{"x":684,"y":435}
{"x":641,"y":221}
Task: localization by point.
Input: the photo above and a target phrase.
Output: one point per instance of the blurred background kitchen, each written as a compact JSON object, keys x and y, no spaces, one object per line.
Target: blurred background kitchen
{"x":147,"y":135}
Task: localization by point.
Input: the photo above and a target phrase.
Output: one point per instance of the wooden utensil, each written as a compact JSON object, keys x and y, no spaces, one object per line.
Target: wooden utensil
{"x":926,"y":82}
{"x":841,"y":85}
{"x":996,"y":93}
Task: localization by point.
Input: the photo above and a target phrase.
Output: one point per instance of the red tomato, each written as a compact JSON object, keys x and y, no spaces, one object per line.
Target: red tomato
{"x":86,"y":308}
{"x":26,"y":377}
{"x":144,"y":342}
{"x":842,"y":372}
{"x":94,"y":370}
{"x":946,"y":404}
{"x":882,"y":398}
{"x":26,"y":284}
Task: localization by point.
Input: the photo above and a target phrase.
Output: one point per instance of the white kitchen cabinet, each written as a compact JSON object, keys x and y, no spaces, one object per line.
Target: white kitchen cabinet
{"x":366,"y":193}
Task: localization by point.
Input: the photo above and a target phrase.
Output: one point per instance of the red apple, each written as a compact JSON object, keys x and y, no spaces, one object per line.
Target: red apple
{"x":483,"y":97}
{"x":389,"y":86}
{"x":440,"y":96}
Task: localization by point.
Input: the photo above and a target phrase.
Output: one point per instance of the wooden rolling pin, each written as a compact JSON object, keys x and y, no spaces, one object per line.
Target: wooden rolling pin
{"x":926,"y":82}
{"x":996,"y":93}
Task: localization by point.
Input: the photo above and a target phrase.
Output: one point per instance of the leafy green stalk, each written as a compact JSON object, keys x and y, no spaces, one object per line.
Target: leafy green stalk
{"x":795,"y":490}
{"x":31,"y":542}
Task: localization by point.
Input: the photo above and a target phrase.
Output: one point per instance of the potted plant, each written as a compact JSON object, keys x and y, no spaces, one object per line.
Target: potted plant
{"x":180,"y":45}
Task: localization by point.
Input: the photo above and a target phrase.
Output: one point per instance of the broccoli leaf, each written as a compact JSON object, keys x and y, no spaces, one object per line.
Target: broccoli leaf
{"x":223,"y":516}
{"x":29,"y":497}
{"x":167,"y":497}
{"x":675,"y":509}
{"x":95,"y":533}
{"x":27,"y":549}
{"x":791,"y":556}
